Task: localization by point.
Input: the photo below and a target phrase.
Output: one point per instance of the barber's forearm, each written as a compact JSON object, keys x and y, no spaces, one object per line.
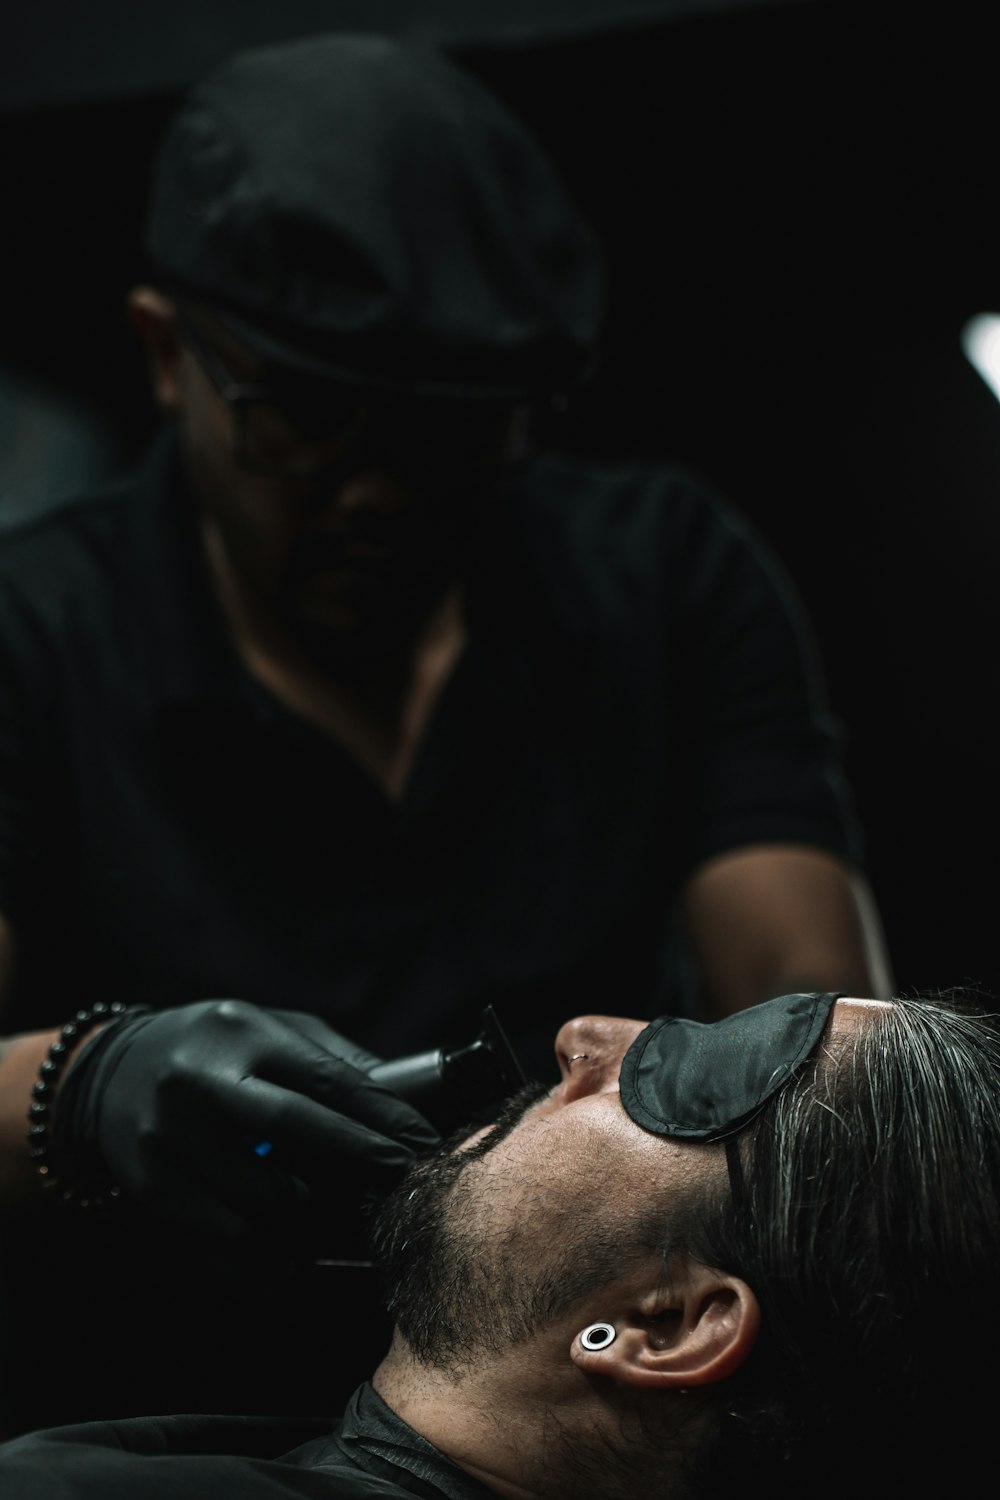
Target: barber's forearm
{"x":837,"y":973}
{"x":776,"y":919}
{"x":20,"y":1059}
{"x":847,"y":964}
{"x":874,"y":950}
{"x":848,"y":967}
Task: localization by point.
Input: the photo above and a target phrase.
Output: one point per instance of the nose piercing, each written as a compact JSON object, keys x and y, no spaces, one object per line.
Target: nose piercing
{"x":598,"y":1335}
{"x":578,"y":1057}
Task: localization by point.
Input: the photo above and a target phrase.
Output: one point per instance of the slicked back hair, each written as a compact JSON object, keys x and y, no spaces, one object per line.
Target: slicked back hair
{"x":868,"y":1224}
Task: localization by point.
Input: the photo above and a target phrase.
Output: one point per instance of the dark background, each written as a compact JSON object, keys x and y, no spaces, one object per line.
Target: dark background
{"x":797,"y":204}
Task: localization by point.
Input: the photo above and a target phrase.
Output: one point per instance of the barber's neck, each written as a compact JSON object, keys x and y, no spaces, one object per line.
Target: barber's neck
{"x":379,"y":707}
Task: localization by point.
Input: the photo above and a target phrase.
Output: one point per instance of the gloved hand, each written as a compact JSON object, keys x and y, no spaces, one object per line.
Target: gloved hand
{"x":173,"y":1103}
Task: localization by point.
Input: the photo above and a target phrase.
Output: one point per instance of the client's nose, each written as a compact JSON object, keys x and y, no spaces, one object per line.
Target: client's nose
{"x":590,"y":1051}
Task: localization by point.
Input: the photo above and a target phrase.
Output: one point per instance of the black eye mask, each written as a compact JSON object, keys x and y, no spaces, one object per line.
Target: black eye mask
{"x":702,"y":1082}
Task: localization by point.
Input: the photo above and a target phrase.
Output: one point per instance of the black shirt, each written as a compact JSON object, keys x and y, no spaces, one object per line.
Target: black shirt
{"x":639,"y":692}
{"x":370,"y":1451}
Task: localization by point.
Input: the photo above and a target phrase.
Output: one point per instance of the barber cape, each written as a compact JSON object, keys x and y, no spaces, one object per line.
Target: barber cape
{"x":369,"y":1452}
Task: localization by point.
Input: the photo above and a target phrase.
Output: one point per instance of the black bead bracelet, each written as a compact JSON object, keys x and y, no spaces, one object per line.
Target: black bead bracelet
{"x":42,"y":1097}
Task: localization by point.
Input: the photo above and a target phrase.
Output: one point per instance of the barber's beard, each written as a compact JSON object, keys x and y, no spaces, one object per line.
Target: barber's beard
{"x":362,"y":613}
{"x":359,"y":589}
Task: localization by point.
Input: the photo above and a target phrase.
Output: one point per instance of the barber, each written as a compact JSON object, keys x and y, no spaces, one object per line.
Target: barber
{"x":353,"y":711}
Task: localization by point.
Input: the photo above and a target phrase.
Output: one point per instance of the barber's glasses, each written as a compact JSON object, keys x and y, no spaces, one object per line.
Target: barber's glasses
{"x":294,"y":427}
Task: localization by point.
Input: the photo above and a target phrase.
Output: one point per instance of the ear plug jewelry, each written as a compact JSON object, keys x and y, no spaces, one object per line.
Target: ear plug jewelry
{"x":598,"y":1336}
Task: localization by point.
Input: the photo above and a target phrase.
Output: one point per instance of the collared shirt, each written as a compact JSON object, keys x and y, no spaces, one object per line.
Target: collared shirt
{"x":639,"y":693}
{"x":372,"y":1437}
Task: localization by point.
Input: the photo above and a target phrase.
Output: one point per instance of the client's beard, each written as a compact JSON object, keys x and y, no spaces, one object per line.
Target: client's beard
{"x":429,"y":1269}
{"x":460,"y":1284}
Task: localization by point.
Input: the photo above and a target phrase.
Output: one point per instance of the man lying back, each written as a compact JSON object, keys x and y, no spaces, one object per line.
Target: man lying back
{"x":757,"y":1252}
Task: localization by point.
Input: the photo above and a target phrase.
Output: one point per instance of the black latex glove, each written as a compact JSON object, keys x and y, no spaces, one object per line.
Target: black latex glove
{"x":172,"y":1104}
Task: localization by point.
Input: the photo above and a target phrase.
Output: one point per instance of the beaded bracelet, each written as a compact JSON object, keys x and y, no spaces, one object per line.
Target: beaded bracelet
{"x":42,"y":1094}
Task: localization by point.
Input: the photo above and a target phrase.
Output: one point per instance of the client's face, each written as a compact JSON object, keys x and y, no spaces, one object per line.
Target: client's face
{"x":496,"y":1235}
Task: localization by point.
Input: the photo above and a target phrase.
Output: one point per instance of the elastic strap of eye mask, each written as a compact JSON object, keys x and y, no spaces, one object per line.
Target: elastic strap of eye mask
{"x":734,"y":1162}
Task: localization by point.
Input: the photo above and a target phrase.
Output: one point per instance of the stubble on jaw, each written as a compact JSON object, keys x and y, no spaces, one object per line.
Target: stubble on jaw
{"x":466,"y":1275}
{"x":423,"y":1255}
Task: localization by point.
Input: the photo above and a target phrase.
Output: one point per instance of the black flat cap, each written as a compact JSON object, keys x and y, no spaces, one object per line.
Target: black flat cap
{"x":364,"y":209}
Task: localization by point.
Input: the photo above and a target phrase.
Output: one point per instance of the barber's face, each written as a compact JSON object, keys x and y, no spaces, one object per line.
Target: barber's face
{"x":348,"y":522}
{"x":495,"y":1235}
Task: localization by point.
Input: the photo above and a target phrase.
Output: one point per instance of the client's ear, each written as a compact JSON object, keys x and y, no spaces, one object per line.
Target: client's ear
{"x":699,"y":1334}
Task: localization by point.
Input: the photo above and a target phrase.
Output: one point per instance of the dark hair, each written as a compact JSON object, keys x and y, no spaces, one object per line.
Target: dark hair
{"x":868,"y":1225}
